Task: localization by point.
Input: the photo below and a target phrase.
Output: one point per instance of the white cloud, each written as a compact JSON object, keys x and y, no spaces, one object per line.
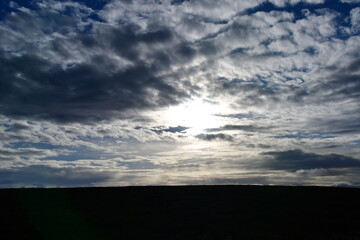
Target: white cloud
{"x":350,"y":1}
{"x":355,"y":20}
{"x":283,"y":3}
{"x":10,"y":154}
{"x":311,"y":172}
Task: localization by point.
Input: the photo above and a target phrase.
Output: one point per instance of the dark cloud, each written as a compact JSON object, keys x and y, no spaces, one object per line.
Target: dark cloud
{"x":241,"y":30}
{"x":262,"y":90}
{"x":139,"y":165}
{"x":7,"y":154}
{"x":256,"y":91}
{"x":239,"y":53}
{"x":158,"y":36}
{"x":125,"y":40}
{"x":345,"y":128}
{"x":207,"y":48}
{"x":346,"y":185}
{"x":339,"y":125}
{"x":178,"y":129}
{"x":246,"y":128}
{"x":185,"y":52}
{"x":297,"y":159}
{"x":249,"y":115}
{"x":18,"y":127}
{"x":330,"y":146}
{"x":214,"y":137}
{"x":37,"y":175}
{"x":344,"y":82}
{"x":34,"y":88}
{"x":304,"y":135}
{"x":31,"y":86}
{"x":247,"y":180}
{"x":178,"y":2}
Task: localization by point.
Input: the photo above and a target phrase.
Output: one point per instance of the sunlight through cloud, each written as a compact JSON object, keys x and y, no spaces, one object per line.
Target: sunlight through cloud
{"x":197,"y":114}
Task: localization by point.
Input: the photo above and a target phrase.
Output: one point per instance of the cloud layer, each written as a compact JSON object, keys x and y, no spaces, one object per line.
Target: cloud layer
{"x":179,"y":92}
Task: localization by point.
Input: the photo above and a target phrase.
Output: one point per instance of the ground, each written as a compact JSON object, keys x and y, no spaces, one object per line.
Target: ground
{"x":186,"y":212}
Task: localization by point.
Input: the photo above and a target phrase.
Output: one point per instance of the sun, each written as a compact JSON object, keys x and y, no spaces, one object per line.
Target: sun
{"x":196,"y":114}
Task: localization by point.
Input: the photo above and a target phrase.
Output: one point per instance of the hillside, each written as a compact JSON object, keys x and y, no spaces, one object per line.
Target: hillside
{"x":188,"y":212}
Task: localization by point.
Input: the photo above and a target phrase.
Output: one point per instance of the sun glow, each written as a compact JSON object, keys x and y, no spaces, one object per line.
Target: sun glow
{"x":197,"y":114}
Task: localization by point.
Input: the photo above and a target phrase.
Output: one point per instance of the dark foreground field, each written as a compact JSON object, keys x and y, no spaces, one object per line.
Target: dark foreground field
{"x":201,"y":212}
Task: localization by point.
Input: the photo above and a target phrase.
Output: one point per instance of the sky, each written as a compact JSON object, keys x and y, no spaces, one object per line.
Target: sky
{"x":179,"y":92}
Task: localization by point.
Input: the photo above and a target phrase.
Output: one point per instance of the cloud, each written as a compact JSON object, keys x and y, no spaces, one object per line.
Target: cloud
{"x":18,"y":127}
{"x":312,"y":172}
{"x":345,"y":185}
{"x":343,"y":127}
{"x":79,"y":93}
{"x":343,"y":82}
{"x":297,"y":160}
{"x":83,"y":68}
{"x":249,"y":115}
{"x":350,"y":1}
{"x":214,"y":137}
{"x":8,"y":154}
{"x":178,"y":129}
{"x":37,"y":175}
{"x":91,"y":83}
{"x":355,"y":20}
{"x":175,"y":2}
{"x":246,"y":128}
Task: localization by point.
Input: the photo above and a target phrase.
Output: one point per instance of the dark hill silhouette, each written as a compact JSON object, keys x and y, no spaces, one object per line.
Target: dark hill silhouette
{"x":189,"y":212}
